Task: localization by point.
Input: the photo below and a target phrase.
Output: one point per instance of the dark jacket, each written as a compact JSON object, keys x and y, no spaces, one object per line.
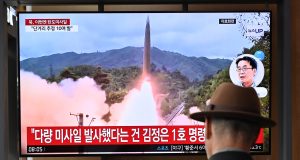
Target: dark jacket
{"x":231,"y":155}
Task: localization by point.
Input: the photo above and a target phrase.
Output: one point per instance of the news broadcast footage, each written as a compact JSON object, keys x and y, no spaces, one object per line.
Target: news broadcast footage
{"x":126,"y":83}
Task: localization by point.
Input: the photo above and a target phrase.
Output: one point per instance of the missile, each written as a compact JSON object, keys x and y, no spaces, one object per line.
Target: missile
{"x":147,"y":47}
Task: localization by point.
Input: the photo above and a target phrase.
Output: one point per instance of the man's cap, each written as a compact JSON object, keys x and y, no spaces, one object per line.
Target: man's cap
{"x":234,"y":102}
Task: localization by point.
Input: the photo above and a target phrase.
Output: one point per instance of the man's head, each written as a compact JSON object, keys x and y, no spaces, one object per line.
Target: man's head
{"x":246,"y":68}
{"x":232,"y":118}
{"x":226,"y":133}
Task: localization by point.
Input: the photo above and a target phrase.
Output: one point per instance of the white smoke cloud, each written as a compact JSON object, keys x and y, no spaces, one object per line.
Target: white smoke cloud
{"x":50,"y":104}
{"x":182,"y":119}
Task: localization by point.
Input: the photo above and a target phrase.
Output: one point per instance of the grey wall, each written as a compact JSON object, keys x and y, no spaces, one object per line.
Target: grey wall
{"x":3,"y":84}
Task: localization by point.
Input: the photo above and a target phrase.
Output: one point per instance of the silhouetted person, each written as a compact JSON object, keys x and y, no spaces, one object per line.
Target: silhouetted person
{"x":232,"y":122}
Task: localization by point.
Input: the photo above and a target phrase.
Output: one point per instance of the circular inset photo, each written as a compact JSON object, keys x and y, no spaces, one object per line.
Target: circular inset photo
{"x":247,"y":71}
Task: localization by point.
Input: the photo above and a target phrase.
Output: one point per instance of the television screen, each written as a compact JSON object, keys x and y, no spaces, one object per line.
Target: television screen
{"x":126,"y":83}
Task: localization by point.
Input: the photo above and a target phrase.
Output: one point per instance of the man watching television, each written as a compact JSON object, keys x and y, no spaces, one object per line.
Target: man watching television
{"x":232,"y":122}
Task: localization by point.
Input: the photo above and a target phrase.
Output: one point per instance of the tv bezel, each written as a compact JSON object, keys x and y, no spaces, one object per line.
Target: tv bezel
{"x":89,"y":154}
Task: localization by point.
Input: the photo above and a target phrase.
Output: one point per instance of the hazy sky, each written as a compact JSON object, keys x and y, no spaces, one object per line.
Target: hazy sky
{"x":190,"y":34}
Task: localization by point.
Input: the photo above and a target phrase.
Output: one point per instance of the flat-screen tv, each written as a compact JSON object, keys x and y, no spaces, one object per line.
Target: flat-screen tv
{"x":126,"y":83}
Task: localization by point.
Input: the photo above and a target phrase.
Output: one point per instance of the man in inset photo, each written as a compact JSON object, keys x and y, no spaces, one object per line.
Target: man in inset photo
{"x":248,"y":71}
{"x":246,"y":68}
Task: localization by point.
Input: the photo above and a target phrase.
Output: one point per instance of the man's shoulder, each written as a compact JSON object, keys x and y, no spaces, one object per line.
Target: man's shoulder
{"x":231,"y":155}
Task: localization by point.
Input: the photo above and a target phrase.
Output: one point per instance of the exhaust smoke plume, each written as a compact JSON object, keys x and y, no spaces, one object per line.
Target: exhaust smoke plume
{"x":50,"y":104}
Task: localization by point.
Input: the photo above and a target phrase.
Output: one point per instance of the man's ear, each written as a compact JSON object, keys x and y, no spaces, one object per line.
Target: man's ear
{"x":255,"y":70}
{"x":208,"y":128}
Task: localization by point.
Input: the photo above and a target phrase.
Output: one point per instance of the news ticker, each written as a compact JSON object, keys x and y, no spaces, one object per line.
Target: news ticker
{"x":118,"y":139}
{"x":116,"y":148}
{"x":194,"y":148}
{"x":115,"y":135}
{"x":118,"y":135}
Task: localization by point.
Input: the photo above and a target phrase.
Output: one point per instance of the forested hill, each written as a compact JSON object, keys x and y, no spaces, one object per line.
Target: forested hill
{"x":192,"y":67}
